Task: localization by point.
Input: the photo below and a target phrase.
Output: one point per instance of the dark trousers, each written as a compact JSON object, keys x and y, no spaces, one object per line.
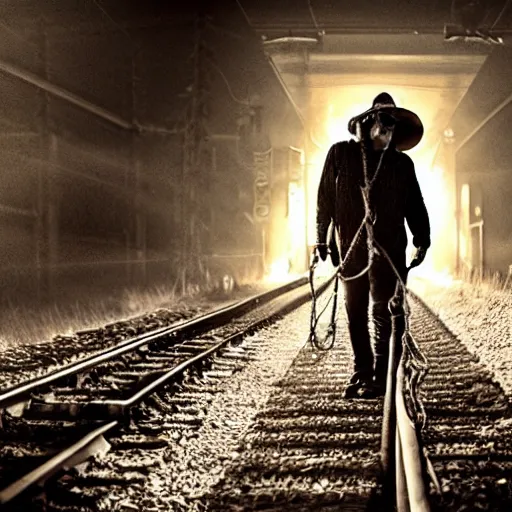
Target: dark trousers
{"x":379,"y":282}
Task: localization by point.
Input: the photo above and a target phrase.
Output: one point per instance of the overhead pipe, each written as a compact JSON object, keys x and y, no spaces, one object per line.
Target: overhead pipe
{"x":59,"y":92}
{"x":287,"y":92}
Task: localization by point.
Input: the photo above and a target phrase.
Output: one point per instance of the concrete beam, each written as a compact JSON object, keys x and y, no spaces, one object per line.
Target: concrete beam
{"x":483,"y":122}
{"x":487,"y":95}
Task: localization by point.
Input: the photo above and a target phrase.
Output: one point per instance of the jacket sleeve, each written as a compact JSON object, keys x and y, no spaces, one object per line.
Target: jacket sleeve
{"x":416,"y":213}
{"x":326,"y":197}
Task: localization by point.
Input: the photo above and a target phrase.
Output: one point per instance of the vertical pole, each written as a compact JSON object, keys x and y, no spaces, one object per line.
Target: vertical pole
{"x":140,"y":227}
{"x":195,"y":148}
{"x":39,"y":223}
{"x":52,"y":216}
{"x":192,"y":179}
{"x":412,"y":458}
{"x":140,"y":215}
{"x":307,"y":153}
{"x":128,"y":181}
{"x":39,"y":234}
{"x":189,"y":167}
{"x":182,"y":271}
{"x":453,"y":187}
{"x":402,"y":497}
{"x":47,"y":195}
{"x":127,"y":252}
{"x":388,"y":448}
{"x":40,"y":249}
{"x":481,"y":248}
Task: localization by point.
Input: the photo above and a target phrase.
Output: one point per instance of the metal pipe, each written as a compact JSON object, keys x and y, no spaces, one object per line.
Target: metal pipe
{"x":410,"y":450}
{"x":402,"y":499}
{"x":389,"y":411}
{"x":59,"y":92}
{"x":484,"y":121}
{"x":334,"y":28}
{"x":287,"y":92}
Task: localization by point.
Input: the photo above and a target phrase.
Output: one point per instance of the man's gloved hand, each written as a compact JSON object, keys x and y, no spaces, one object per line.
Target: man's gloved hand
{"x":321,"y":249}
{"x":419,"y":256}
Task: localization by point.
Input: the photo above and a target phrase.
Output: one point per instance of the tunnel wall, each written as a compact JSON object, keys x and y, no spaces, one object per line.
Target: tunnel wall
{"x":485,"y":164}
{"x":89,"y":205}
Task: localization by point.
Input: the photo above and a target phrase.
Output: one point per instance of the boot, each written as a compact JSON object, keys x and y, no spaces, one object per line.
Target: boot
{"x":360,"y":386}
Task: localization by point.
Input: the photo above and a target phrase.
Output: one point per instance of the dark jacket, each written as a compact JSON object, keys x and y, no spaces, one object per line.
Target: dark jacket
{"x":395,"y":198}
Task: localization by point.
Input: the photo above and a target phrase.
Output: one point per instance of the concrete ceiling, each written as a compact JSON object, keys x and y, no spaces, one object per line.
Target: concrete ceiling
{"x":343,"y":16}
{"x":331,"y":78}
{"x":334,"y":56}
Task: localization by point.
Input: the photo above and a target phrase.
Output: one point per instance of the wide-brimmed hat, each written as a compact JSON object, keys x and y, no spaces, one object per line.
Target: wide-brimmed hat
{"x":408,"y":128}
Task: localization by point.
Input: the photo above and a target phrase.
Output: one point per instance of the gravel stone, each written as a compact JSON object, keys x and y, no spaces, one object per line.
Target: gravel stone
{"x":481,"y":318}
{"x":191,"y":466}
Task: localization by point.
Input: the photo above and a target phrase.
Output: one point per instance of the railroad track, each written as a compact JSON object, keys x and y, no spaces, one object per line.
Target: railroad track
{"x":310,"y":449}
{"x":89,"y":398}
{"x":307,"y":449}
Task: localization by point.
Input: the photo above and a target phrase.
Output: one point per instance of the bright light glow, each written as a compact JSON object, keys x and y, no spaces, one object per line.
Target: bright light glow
{"x":292,"y":241}
{"x":437,"y":200}
{"x":279,"y":272}
{"x":324,"y":268}
{"x":422,"y":280}
{"x":442,"y":278}
{"x":464,"y":234}
{"x":296,"y":226}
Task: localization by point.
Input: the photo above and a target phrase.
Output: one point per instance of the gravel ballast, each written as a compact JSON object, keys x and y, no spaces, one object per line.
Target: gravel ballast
{"x":191,"y":465}
{"x":27,"y":361}
{"x":480,"y":316}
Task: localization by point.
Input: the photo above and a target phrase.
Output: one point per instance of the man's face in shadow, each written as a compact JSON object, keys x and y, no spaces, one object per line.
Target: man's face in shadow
{"x":379,"y":128}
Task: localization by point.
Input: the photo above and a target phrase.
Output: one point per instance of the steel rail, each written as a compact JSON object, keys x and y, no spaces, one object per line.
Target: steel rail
{"x":98,"y":409}
{"x":409,"y":456}
{"x":19,"y":392}
{"x":54,"y":464}
{"x":402,"y":497}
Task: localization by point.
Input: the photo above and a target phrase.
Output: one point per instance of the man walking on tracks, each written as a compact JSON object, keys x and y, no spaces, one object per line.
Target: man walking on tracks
{"x":372,"y":179}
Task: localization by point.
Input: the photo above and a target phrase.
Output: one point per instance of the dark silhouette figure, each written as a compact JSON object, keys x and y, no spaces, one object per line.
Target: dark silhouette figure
{"x":394,"y":196}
